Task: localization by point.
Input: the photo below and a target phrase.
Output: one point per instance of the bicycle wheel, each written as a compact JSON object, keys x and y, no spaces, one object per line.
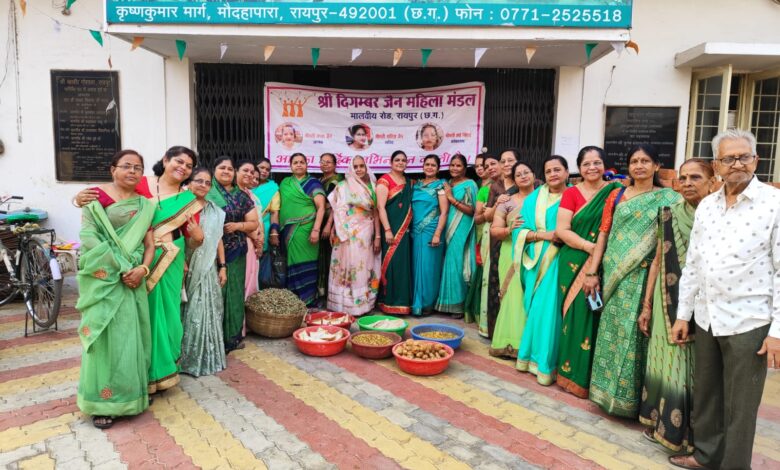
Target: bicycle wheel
{"x":45,"y":291}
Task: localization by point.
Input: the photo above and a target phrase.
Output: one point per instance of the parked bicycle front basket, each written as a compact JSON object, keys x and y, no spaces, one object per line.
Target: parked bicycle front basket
{"x":9,"y":238}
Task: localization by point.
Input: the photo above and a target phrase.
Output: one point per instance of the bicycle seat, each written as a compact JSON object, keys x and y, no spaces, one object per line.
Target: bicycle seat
{"x":27,"y":215}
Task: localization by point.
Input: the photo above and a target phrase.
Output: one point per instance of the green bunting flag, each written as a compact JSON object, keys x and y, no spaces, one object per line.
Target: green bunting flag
{"x":425,"y":54}
{"x":315,"y":56}
{"x":181,"y":46}
{"x":589,"y":48}
{"x":97,"y":36}
{"x":69,"y":4}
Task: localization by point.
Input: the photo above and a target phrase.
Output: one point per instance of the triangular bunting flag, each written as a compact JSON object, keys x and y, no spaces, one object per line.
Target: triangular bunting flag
{"x":589,"y":48}
{"x":315,"y":56}
{"x":478,"y":53}
{"x":111,"y":105}
{"x":181,"y":46}
{"x":267,"y":52}
{"x":57,"y":26}
{"x":69,"y":4}
{"x":632,"y":45}
{"x":619,"y":47}
{"x":223,"y":47}
{"x":137,"y":40}
{"x":97,"y":36}
{"x":355,"y":54}
{"x":23,"y":6}
{"x":397,"y":56}
{"x":426,"y":53}
{"x":529,"y":52}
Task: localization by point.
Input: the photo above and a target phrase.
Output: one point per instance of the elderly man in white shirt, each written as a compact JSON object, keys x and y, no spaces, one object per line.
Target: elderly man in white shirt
{"x":731,"y":281}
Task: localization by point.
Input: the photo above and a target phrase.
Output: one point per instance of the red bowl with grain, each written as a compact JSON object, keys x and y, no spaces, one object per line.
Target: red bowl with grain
{"x":321,"y":348}
{"x":326,"y":318}
{"x":423,"y":367}
{"x":367,"y":344}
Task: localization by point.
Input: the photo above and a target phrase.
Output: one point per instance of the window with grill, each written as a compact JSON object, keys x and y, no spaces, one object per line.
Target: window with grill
{"x":519,"y":103}
{"x":765,"y":121}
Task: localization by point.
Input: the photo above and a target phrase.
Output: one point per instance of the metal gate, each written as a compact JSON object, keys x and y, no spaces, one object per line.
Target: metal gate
{"x":519,"y":103}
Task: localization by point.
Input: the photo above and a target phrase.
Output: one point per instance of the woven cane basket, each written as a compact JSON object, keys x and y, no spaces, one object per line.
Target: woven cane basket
{"x":270,"y":322}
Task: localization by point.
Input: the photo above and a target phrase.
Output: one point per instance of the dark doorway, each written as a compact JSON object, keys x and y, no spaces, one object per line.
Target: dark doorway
{"x":519,"y":103}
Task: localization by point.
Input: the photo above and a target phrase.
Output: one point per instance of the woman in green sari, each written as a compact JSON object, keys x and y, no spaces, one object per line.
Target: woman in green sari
{"x":301,"y":216}
{"x":538,"y":244}
{"x":241,"y":219}
{"x":511,"y":315}
{"x":329,"y":180}
{"x":459,"y":258}
{"x":579,"y":218}
{"x":174,"y":209}
{"x":394,"y":201}
{"x":471,"y":313}
{"x":203,"y":347}
{"x":667,"y":393}
{"x":116,"y":250}
{"x":267,"y":193}
{"x":490,"y":303}
{"x":476,"y":305}
{"x":627,"y":240}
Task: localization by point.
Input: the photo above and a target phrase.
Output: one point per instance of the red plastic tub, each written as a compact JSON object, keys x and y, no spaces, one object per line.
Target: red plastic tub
{"x":421,"y":367}
{"x":311,"y":317}
{"x":321,"y":349}
{"x":374,"y":352}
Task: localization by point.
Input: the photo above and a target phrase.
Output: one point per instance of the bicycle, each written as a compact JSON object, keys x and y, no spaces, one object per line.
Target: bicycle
{"x":28,"y":267}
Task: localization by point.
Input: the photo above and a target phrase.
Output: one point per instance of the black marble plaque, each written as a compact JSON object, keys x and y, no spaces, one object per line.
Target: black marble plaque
{"x":627,"y":126}
{"x":85,"y":107}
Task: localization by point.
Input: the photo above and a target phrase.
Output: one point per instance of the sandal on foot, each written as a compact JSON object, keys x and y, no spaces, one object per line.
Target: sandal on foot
{"x":102,"y":422}
{"x":649,"y":434}
{"x":685,"y":461}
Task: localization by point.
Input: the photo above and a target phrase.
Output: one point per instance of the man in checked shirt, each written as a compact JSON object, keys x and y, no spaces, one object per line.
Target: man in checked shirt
{"x":731,"y":281}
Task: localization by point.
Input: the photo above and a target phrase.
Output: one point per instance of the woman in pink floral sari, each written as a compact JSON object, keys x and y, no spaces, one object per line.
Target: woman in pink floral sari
{"x":354,"y":266}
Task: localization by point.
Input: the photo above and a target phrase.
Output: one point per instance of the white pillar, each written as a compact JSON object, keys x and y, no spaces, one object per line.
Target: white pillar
{"x":568,"y":114}
{"x":179,"y":103}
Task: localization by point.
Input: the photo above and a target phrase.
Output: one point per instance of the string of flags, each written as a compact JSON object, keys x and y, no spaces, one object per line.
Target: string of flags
{"x":425,"y":53}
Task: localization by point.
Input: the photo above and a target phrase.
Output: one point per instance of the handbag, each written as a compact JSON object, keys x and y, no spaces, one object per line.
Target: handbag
{"x":273,"y":269}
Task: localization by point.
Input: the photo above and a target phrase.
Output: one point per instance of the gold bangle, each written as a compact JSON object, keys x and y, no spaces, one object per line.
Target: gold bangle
{"x":145,"y":268}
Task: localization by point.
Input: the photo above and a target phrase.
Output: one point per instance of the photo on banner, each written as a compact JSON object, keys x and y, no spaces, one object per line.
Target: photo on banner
{"x":444,"y":120}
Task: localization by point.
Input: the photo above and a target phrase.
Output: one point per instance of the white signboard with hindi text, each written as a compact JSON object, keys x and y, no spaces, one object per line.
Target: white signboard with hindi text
{"x":444,"y":121}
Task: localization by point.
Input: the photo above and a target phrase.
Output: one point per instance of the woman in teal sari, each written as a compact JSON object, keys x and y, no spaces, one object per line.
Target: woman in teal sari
{"x":116,"y":251}
{"x":267,"y":193}
{"x":627,"y":240}
{"x":667,"y":394}
{"x":240,"y":220}
{"x":394,"y":201}
{"x":203,"y":347}
{"x":539,"y":273}
{"x":429,"y":216}
{"x":301,"y":216}
{"x":460,"y":258}
{"x":510,"y":321}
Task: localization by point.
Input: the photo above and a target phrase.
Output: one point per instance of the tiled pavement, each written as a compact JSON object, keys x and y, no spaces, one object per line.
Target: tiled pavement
{"x":275,"y":408}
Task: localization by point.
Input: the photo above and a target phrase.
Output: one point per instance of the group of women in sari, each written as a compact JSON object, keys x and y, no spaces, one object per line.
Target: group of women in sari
{"x":531,"y":264}
{"x":579,"y":283}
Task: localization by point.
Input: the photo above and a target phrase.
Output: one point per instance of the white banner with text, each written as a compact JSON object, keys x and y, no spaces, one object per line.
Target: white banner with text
{"x":373,"y":124}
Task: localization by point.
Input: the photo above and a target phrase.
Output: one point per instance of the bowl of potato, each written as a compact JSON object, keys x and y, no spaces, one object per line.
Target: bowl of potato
{"x":422,"y":357}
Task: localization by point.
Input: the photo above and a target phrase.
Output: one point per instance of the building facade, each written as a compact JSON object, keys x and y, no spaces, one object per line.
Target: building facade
{"x":701,"y":66}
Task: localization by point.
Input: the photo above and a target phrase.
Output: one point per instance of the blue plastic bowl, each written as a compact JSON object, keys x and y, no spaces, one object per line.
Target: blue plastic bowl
{"x":454,"y":343}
